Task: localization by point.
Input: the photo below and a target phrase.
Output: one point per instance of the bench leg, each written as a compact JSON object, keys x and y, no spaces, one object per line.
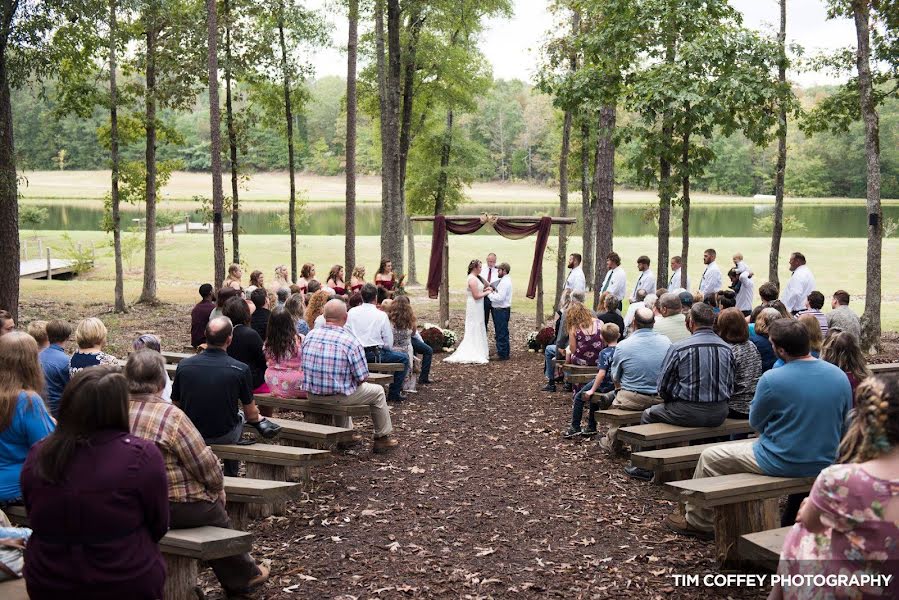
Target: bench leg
{"x":663,"y":477}
{"x":181,"y":578}
{"x":319,"y":418}
{"x":239,"y":514}
{"x":734,"y":520}
{"x":270,"y":473}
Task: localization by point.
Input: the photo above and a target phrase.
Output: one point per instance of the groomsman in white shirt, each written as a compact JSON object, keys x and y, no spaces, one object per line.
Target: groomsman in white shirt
{"x":646,"y":281}
{"x":490,"y":272}
{"x":674,"y":286}
{"x":801,"y":284}
{"x":616,"y":279}
{"x":501,"y":300}
{"x":576,"y":281}
{"x":711,"y":277}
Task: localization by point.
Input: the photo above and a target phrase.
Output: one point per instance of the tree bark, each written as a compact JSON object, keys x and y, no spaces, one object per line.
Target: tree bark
{"x":148,"y":293}
{"x":780,"y":175}
{"x":562,"y":253}
{"x":871,"y":331}
{"x":440,"y":208}
{"x":232,"y":141}
{"x":215,"y":139}
{"x":394,"y":242}
{"x":408,"y":92}
{"x":685,"y":202}
{"x":114,"y":159}
{"x":9,"y":207}
{"x":588,"y":204}
{"x":386,"y":148}
{"x":288,"y":115}
{"x":605,"y":195}
{"x":349,"y":249}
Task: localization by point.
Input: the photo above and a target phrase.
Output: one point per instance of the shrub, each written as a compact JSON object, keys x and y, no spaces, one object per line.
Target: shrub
{"x":546,"y":337}
{"x":433,"y":337}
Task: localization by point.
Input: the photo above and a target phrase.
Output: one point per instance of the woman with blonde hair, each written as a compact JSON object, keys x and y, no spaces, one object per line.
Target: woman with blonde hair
{"x":841,"y":349}
{"x":316,"y":307}
{"x":90,"y":335}
{"x":235,"y":273}
{"x":358,"y":278}
{"x":815,"y":339}
{"x":760,"y":337}
{"x":584,"y":336}
{"x":282,"y":277}
{"x":24,"y":419}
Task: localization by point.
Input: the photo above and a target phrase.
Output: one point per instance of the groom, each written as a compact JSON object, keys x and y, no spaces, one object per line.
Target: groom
{"x":501,"y":308}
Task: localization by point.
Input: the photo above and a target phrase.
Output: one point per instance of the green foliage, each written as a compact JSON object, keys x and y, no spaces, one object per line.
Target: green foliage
{"x":81,"y":256}
{"x":766,"y":223}
{"x":32,"y":217}
{"x":132,"y":244}
{"x":301,"y":215}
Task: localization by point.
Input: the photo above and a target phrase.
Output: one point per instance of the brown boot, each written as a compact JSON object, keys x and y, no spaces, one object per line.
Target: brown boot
{"x":261,"y":578}
{"x":385,"y":444}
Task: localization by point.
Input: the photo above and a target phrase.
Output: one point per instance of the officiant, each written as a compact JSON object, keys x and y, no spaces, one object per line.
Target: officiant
{"x":501,"y":308}
{"x":490,"y":274}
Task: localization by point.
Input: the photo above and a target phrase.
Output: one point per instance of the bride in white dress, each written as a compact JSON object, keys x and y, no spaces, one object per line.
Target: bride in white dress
{"x":474,"y":348}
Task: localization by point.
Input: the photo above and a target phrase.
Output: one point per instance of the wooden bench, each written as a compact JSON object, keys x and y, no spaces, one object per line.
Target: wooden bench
{"x":743,"y":503}
{"x":13,"y":589}
{"x":762,"y":548}
{"x":661,"y":434}
{"x":182,"y":548}
{"x":379,"y":378}
{"x":260,"y":497}
{"x":303,"y":433}
{"x":677,"y":462}
{"x":618,"y":417}
{"x":315,"y":412}
{"x":386,"y":367}
{"x":883,"y":369}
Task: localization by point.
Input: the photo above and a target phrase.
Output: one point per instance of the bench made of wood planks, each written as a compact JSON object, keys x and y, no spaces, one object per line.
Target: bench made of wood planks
{"x":677,"y":463}
{"x":13,"y":589}
{"x":885,"y":368}
{"x":304,"y":433}
{"x":256,"y":498}
{"x":661,"y":434}
{"x":762,"y":548}
{"x":175,"y":357}
{"x":743,"y":503}
{"x":385,"y":367}
{"x":315,"y":412}
{"x":618,"y":416}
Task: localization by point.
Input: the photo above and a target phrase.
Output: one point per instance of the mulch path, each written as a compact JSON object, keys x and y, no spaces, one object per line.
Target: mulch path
{"x":483,"y":498}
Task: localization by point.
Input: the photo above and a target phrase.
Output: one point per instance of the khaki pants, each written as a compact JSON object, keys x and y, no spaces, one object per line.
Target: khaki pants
{"x":727,"y":459}
{"x":626,"y":400}
{"x":368,"y":394}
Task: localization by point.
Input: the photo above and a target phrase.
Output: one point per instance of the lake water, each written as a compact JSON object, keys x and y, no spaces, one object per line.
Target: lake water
{"x":830,"y":221}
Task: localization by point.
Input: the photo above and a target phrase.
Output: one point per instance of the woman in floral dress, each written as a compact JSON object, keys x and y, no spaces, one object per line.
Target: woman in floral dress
{"x":284,"y":367}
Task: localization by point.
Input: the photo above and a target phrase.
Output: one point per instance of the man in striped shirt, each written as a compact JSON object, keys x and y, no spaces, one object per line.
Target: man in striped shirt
{"x":335,"y":370}
{"x":813,"y":305}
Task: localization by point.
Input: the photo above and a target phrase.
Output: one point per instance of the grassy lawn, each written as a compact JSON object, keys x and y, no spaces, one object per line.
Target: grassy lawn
{"x":184,"y":262}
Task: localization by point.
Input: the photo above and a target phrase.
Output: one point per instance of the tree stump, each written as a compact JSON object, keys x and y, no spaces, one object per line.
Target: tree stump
{"x":181,"y":578}
{"x":239,"y":514}
{"x":270,"y":473}
{"x":734,"y":520}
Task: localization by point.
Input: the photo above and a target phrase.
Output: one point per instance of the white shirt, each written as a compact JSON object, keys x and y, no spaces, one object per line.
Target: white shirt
{"x":370,"y":326}
{"x":631,"y":311}
{"x":502,"y":297}
{"x":674,"y":285}
{"x":646,"y":281}
{"x":711,"y":279}
{"x":576,"y":281}
{"x":615,"y":283}
{"x":490,"y":274}
{"x":744,"y":296}
{"x":801,"y":284}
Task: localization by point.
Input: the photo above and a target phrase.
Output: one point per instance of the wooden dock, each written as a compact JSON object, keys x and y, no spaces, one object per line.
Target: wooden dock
{"x":38,"y":268}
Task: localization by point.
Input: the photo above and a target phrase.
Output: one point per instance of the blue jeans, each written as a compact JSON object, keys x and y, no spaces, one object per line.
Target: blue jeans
{"x":549,"y":355}
{"x":427,"y":354}
{"x":501,"y":327}
{"x":389,"y":356}
{"x":577,"y":410}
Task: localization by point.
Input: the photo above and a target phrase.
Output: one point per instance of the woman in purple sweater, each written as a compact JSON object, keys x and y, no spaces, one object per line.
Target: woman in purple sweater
{"x":97,"y":499}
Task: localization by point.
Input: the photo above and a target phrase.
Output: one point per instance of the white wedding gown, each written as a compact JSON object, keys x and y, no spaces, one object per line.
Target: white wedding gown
{"x":474,"y":348}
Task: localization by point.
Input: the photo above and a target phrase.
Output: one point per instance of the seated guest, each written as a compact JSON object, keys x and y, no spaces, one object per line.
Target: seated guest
{"x":246,"y":344}
{"x":726,"y":299}
{"x":763,"y":322}
{"x":799,"y":412}
{"x":315,"y":307}
{"x":55,"y":363}
{"x":297,"y":309}
{"x":284,"y":372}
{"x":336,"y":283}
{"x":782,"y":309}
{"x":732,"y":328}
{"x":196,"y":492}
{"x":355,"y":300}
{"x":639,"y":302}
{"x":635,"y":370}
{"x":850,"y":522}
{"x":307,"y":275}
{"x":711,"y":299}
{"x":233,"y":280}
{"x":24,"y":419}
{"x":672,"y":323}
{"x":259,"y":320}
{"x":373,"y":330}
{"x":7,"y":323}
{"x":209,"y":386}
{"x":281,"y":297}
{"x":314,"y":286}
{"x":584,"y":336}
{"x":612,"y":314}
{"x":257,"y":280}
{"x":602,"y":383}
{"x":90,"y":335}
{"x":38,"y":330}
{"x":221,"y":297}
{"x":768,"y":292}
{"x":813,"y":305}
{"x":282,"y":277}
{"x":556,"y":350}
{"x":385,"y":278}
{"x":815,"y":341}
{"x":842,"y":316}
{"x":335,"y":370}
{"x":97,"y":499}
{"x":153,"y":343}
{"x":199,"y":316}
{"x":402,"y":321}
{"x":649,"y":302}
{"x":841,"y":349}
{"x":358,"y":279}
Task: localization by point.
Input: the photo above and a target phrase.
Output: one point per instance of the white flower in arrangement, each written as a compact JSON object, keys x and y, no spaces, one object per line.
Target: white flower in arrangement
{"x":431,"y":326}
{"x":449,"y":338}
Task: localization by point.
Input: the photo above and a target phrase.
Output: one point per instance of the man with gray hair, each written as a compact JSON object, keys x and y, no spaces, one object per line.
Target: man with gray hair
{"x":282,"y":293}
{"x":635,"y":371}
{"x":672,"y":323}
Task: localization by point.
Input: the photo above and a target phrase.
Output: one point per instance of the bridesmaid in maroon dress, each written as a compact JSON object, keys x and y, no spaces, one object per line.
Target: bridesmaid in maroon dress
{"x":385,"y":277}
{"x":357,"y":280}
{"x":307,"y":274}
{"x":336,"y":282}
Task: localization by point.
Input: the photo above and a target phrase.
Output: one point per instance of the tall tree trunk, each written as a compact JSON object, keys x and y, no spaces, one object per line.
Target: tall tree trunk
{"x":9,"y":207}
{"x":440,"y":208}
{"x":148,"y":293}
{"x":664,"y":215}
{"x":780,"y":175}
{"x":232,"y":141}
{"x":685,"y":201}
{"x":414,"y":29}
{"x":562,"y":253}
{"x":288,"y":116}
{"x":588,"y":204}
{"x":349,"y":249}
{"x":384,"y":111}
{"x":114,"y":159}
{"x":215,"y":139}
{"x":871,"y":317}
{"x":395,"y":233}
{"x":605,"y":195}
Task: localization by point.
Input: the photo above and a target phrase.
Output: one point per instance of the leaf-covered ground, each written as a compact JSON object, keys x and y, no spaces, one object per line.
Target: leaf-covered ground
{"x":483,"y":499}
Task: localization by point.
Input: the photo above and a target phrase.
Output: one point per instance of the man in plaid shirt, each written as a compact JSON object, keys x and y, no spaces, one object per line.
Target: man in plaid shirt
{"x":335,"y":370}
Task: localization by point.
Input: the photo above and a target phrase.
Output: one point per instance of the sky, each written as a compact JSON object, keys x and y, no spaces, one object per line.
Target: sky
{"x":512,"y":45}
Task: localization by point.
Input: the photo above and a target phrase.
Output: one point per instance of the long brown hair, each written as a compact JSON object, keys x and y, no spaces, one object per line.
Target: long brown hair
{"x":383,"y":266}
{"x":842,"y":349}
{"x":578,"y":316}
{"x":875,"y":429}
{"x":20,"y":370}
{"x":95,"y":400}
{"x":281,"y":337}
{"x":401,"y":314}
{"x":316,"y":306}
{"x":334,"y":274}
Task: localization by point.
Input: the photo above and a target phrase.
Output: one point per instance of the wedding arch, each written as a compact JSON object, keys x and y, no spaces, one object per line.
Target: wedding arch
{"x":514,"y":228}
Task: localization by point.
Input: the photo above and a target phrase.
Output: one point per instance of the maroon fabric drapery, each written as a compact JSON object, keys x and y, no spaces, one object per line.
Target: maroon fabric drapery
{"x":514,"y":231}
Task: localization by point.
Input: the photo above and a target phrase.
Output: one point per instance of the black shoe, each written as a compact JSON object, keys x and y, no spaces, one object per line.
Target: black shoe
{"x":549,"y":387}
{"x":399,"y":398}
{"x":503,"y":358}
{"x":266,"y":428}
{"x":589,"y":432}
{"x":568,"y":388}
{"x":638,"y":473}
{"x":428,"y":381}
{"x":571,"y":433}
{"x":559,"y":379}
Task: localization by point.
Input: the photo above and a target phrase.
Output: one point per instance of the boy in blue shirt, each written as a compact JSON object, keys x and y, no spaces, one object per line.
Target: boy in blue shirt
{"x":602,"y":383}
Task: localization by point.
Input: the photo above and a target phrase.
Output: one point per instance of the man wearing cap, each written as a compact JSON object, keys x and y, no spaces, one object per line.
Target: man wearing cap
{"x":501,"y":307}
{"x":671,"y":322}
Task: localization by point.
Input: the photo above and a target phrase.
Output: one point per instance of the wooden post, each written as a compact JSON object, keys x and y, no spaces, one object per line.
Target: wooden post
{"x":444,"y":285}
{"x":271,"y":473}
{"x":49,"y":266}
{"x":40,"y":248}
{"x":539,"y":318}
{"x":181,"y":577}
{"x":734,"y":520}
{"x":239,"y":513}
{"x":187,"y":224}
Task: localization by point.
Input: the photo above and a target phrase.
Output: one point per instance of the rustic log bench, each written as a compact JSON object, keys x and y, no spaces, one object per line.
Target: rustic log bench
{"x":385,"y":367}
{"x":304,"y":433}
{"x":884,"y":368}
{"x":242,"y":493}
{"x":182,"y":548}
{"x":672,"y":463}
{"x":662,"y":434}
{"x":13,"y":589}
{"x":618,"y":416}
{"x":762,"y":549}
{"x":174,"y":358}
{"x":314,"y":412}
{"x":743,"y":503}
